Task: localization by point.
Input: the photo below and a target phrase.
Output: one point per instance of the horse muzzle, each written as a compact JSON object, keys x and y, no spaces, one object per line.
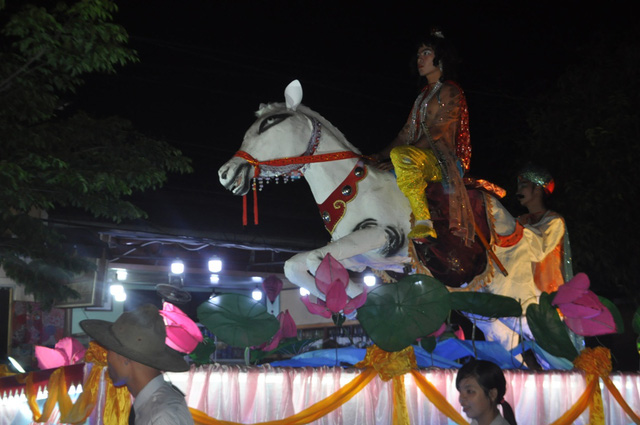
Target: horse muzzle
{"x":236,"y":176}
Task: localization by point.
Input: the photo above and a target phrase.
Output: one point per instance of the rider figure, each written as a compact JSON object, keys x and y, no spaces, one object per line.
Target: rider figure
{"x":434,"y":144}
{"x":535,"y":185}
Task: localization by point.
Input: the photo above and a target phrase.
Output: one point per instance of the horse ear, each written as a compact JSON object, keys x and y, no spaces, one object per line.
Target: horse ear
{"x":293,"y":94}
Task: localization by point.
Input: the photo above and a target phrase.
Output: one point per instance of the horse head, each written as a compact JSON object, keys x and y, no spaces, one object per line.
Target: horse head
{"x":282,"y":131}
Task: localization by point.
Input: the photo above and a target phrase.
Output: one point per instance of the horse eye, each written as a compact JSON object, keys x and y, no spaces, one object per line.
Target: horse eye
{"x":272,"y":120}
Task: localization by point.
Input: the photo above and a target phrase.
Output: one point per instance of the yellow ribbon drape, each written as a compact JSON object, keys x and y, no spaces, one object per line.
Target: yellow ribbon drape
{"x":596,"y":362}
{"x":438,"y":399}
{"x":392,"y":365}
{"x":387,"y":365}
{"x":310,"y":414}
{"x":4,"y":371}
{"x":57,"y":389}
{"x":118,"y":401}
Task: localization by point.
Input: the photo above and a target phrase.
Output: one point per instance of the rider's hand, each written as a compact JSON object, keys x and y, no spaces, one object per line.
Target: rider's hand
{"x":385,"y":165}
{"x":380,"y":163}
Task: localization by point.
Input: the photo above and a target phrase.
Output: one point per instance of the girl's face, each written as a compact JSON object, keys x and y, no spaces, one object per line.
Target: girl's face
{"x":475,"y":403}
{"x":426,"y":68}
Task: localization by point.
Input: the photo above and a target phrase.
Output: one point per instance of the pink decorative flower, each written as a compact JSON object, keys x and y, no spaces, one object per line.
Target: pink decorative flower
{"x":66,"y":352}
{"x":583,"y":312}
{"x":272,"y":286}
{"x":182,"y":333}
{"x":332,"y":280}
{"x":288,"y":329}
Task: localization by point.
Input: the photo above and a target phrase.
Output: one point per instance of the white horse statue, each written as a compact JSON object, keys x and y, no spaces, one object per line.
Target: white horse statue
{"x":364,"y":210}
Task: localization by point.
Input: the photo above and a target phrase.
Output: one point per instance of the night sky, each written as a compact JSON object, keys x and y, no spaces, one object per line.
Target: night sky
{"x":205,"y":66}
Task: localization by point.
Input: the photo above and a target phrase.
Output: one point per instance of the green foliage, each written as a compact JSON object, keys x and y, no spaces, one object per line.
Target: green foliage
{"x":395,"y":315}
{"x":485,"y":304}
{"x":48,"y":51}
{"x":549,"y":330}
{"x":203,"y":351}
{"x":635,"y":321}
{"x":615,"y":313}
{"x":51,"y":158}
{"x":238,"y":320}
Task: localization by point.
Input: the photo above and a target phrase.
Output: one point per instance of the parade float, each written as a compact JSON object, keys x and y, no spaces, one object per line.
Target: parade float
{"x":406,"y":374}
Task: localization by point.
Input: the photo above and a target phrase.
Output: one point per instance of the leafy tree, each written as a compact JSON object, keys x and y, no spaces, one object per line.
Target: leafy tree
{"x":586,"y":132}
{"x":51,"y":156}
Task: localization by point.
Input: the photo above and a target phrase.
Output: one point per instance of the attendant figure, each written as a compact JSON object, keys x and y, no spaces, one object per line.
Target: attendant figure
{"x":136,"y":356}
{"x":434,"y":144}
{"x":535,"y":185}
{"x":482,"y":387}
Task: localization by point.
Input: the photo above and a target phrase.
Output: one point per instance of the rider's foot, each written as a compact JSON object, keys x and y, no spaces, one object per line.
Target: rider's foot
{"x":422,"y":231}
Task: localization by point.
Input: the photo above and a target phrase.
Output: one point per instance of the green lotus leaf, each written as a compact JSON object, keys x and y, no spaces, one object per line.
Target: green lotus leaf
{"x":429,"y":343}
{"x":617,"y":316}
{"x":396,"y":314}
{"x":203,"y":351}
{"x":635,"y":322}
{"x":548,"y":329}
{"x":238,"y":320}
{"x":485,"y":304}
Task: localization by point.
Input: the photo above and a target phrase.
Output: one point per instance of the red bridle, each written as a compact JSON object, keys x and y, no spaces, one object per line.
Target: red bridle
{"x":304,"y":159}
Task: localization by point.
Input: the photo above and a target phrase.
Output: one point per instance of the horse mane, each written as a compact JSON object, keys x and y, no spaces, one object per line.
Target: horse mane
{"x":271,"y":107}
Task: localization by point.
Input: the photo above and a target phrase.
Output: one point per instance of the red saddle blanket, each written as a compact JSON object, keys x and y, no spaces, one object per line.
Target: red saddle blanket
{"x":448,"y":258}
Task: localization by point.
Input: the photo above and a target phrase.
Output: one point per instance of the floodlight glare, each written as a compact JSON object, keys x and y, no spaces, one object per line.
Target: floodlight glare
{"x":120,"y":297}
{"x":215,"y":265}
{"x":116,"y":289}
{"x":369,"y":279}
{"x":214,"y":278}
{"x":177,"y":267}
{"x":15,"y":364}
{"x":256,"y":294}
{"x":121,"y":274}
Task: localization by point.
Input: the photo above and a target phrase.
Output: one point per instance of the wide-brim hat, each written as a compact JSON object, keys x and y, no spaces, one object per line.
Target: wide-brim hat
{"x":138,"y":335}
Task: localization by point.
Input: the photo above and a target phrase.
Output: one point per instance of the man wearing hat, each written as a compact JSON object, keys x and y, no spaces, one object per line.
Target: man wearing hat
{"x":554,"y":268}
{"x":136,"y":356}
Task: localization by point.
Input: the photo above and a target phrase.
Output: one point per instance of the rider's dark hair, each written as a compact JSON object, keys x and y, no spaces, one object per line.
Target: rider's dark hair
{"x":445,"y":53}
{"x":489,"y":376}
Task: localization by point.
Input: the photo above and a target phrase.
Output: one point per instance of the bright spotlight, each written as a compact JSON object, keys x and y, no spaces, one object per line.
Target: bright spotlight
{"x":116,"y":289}
{"x":256,"y":294}
{"x":15,"y":364}
{"x":121,"y":274}
{"x":304,"y":292}
{"x":256,"y":278}
{"x":369,"y":279}
{"x":177,"y":267}
{"x":214,"y":278}
{"x":120,"y":297}
{"x":215,"y":265}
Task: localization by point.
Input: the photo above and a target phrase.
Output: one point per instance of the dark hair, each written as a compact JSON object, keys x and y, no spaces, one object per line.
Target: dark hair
{"x":489,"y":376}
{"x":445,"y":53}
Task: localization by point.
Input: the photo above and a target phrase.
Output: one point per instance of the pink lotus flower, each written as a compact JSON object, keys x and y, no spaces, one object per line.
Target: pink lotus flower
{"x":288,"y":329}
{"x":183,"y":334}
{"x":583,"y":312}
{"x":332,"y":280}
{"x":272,"y":286}
{"x":66,"y":352}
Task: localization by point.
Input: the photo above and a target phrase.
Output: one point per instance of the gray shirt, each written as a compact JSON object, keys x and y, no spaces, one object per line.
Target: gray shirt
{"x":160,"y":404}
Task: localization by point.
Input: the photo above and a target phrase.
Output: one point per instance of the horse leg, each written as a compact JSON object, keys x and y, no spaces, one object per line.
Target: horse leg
{"x":298,"y":268}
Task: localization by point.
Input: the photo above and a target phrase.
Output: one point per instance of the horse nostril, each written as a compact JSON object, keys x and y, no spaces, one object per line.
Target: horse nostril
{"x":224,"y":174}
